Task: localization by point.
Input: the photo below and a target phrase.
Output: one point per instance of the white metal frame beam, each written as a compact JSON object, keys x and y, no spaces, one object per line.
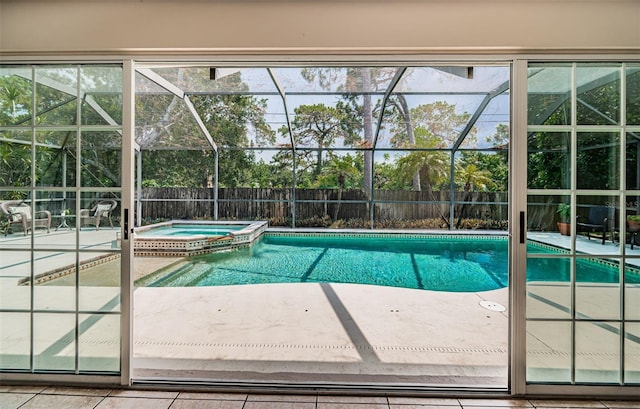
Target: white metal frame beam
{"x":394,"y":82}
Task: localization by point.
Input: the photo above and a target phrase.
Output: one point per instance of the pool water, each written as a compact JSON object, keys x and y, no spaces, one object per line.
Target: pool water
{"x":558,"y":269}
{"x":434,"y":264}
{"x":440,"y":264}
{"x":184,"y":230}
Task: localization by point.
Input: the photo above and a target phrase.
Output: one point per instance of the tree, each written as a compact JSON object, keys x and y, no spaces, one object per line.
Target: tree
{"x":387,"y":175}
{"x":233,"y":121}
{"x":438,"y":119}
{"x":399,"y":105}
{"x":343,"y":172}
{"x":15,"y":100}
{"x":442,"y":121}
{"x":318,"y":126}
{"x":495,"y":163}
{"x":353,"y":82}
{"x":56,"y":103}
{"x":500,"y":139}
{"x":315,"y":129}
{"x":15,"y":165}
{"x":473,"y":179}
{"x":432,"y":164}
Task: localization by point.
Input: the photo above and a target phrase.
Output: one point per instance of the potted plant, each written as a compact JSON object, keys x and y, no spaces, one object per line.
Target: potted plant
{"x":564,"y":225}
{"x":633,"y":221}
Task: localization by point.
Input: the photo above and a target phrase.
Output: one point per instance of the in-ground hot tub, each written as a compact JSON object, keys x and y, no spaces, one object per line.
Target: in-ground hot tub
{"x":179,"y":238}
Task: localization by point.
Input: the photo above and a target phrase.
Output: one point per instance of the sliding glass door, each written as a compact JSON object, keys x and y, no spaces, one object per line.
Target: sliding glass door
{"x":60,"y":189}
{"x":583,"y":257}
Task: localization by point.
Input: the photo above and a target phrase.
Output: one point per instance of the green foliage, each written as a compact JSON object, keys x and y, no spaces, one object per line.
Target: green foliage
{"x":493,"y":166}
{"x":432,"y":165}
{"x":634,"y":218}
{"x":438,"y":119}
{"x":359,"y":223}
{"x":344,"y":172}
{"x":235,"y":121}
{"x":474,"y":179}
{"x":318,"y":126}
{"x":598,"y":160}
{"x":564,"y":210}
{"x":387,"y":176}
{"x":548,"y":160}
{"x":315,"y":221}
{"x":633,"y":96}
{"x":56,"y":104}
{"x":176,"y":168}
{"x":598,"y":153}
{"x":15,"y":164}
{"x":15,"y":100}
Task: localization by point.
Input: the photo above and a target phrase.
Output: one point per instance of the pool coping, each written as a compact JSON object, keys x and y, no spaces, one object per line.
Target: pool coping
{"x":383,"y":233}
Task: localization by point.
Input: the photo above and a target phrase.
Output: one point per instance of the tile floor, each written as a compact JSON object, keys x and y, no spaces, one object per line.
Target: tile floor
{"x":40,"y":397}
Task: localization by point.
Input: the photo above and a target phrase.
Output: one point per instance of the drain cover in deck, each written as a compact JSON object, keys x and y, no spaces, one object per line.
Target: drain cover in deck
{"x":492,"y":305}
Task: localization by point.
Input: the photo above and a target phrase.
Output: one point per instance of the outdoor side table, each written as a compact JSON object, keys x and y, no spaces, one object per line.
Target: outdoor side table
{"x":63,"y":221}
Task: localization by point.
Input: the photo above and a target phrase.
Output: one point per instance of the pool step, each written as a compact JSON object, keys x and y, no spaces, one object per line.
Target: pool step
{"x":173,"y":276}
{"x":199,"y":277}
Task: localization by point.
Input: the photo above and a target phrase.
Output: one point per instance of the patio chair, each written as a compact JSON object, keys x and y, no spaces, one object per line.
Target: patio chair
{"x":600,"y":219}
{"x":100,"y":211}
{"x":18,"y":213}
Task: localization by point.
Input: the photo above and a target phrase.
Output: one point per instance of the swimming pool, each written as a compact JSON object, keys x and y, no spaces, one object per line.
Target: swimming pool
{"x":442,"y":263}
{"x":179,"y":238}
{"x":464,"y":263}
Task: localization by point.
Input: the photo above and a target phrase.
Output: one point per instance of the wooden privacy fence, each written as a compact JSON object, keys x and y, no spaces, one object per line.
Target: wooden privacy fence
{"x":275,"y":204}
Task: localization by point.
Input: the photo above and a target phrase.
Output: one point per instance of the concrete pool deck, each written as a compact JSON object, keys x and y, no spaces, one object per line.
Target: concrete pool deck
{"x":321,"y":332}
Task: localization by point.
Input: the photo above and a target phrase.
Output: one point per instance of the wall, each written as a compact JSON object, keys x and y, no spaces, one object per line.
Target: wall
{"x":262,"y":26}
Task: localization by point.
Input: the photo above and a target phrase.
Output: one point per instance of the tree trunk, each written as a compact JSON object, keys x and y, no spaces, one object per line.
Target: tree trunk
{"x":319,"y":160}
{"x":463,"y":207}
{"x":406,"y":116}
{"x":335,"y":215}
{"x":368,"y":131}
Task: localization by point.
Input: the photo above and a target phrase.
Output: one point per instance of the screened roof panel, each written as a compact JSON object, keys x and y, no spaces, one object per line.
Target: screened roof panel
{"x":19,"y":71}
{"x":317,"y":123}
{"x":57,"y":140}
{"x":97,"y":79}
{"x":56,"y":95}
{"x":430,"y":121}
{"x":63,"y":79}
{"x":332,"y":80}
{"x":319,"y":107}
{"x":492,"y":123}
{"x":276,"y":118}
{"x":196,"y":80}
{"x":164,"y":122}
{"x":448,"y":80}
{"x":145,"y":86}
{"x":590,"y":76}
